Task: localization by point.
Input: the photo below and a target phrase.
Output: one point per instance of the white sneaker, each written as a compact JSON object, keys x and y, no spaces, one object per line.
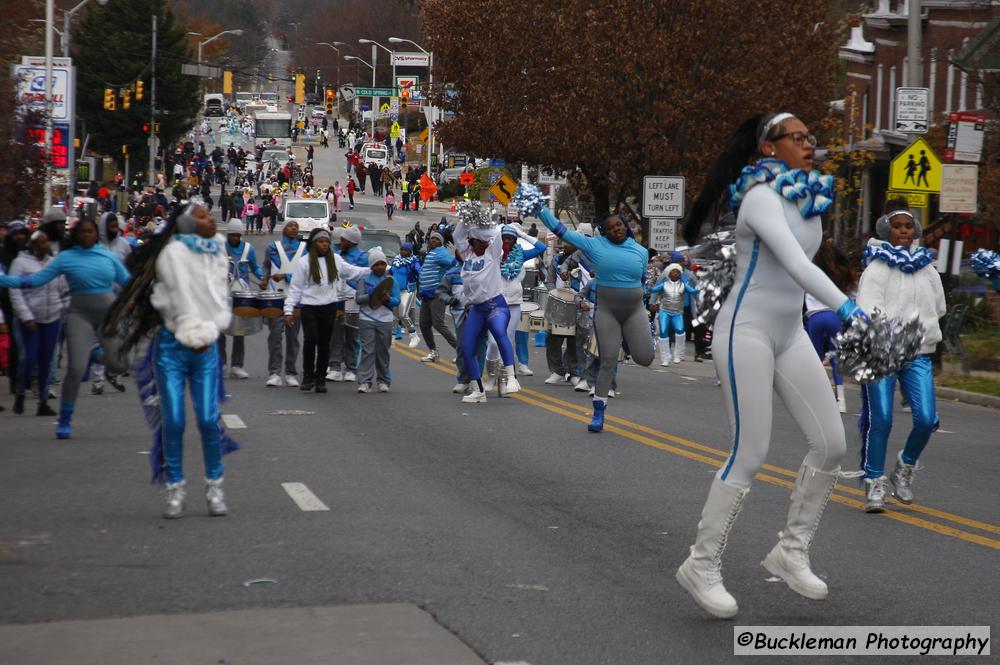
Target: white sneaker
{"x":414,"y":340}
{"x":524,"y":370}
{"x":460,"y":388}
{"x":350,"y":377}
{"x":273,"y":380}
{"x":555,"y":379}
{"x":574,"y":380}
{"x":291,"y":381}
{"x":582,"y":386}
{"x":612,"y":394}
{"x":430,"y":357}
{"x":239,"y":373}
{"x":383,"y":387}
{"x":335,"y":375}
{"x":477,"y":396}
{"x":364,"y":388}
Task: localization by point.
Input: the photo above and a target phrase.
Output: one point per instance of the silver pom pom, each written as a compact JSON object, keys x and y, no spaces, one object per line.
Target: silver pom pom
{"x":474,"y":214}
{"x":985,"y":263}
{"x":528,"y":200}
{"x":869,"y":349}
{"x":714,"y":284}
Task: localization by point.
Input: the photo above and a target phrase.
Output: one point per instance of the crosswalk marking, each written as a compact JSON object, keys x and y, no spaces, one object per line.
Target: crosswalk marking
{"x":233,"y":421}
{"x":303,"y":497}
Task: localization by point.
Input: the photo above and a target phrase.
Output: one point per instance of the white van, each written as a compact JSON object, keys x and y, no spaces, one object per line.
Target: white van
{"x":308,"y":213}
{"x":375,"y":152}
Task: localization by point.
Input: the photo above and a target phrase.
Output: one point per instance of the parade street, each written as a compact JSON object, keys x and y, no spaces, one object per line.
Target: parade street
{"x":522,"y":534}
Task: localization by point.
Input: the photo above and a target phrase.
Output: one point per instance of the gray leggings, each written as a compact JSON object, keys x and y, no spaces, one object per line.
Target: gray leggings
{"x":620,"y":316}
{"x":86,"y":313}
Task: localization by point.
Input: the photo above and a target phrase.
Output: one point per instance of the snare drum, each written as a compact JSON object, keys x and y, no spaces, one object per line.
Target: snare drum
{"x":537,"y":322}
{"x":561,"y":309}
{"x":530,"y":279}
{"x":272,"y":304}
{"x":527,"y":309}
{"x":540,"y":296}
{"x":246,"y":304}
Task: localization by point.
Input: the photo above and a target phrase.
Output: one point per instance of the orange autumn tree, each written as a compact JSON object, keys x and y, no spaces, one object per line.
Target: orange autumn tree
{"x":619,"y":90}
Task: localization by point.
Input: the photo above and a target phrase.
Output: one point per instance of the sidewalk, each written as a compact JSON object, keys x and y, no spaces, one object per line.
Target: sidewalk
{"x":346,"y":635}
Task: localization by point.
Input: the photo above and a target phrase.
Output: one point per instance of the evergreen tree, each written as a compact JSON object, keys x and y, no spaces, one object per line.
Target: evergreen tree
{"x":112,"y":47}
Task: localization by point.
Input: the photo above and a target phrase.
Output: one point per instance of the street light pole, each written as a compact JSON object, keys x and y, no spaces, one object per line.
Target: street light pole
{"x":430,"y":85}
{"x":50,"y":11}
{"x":372,"y":67}
{"x":392,"y":58}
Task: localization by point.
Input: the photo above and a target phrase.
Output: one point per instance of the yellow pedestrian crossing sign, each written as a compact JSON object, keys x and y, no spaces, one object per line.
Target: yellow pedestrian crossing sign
{"x":916,"y":169}
{"x":384,"y":108}
{"x":394,"y":130}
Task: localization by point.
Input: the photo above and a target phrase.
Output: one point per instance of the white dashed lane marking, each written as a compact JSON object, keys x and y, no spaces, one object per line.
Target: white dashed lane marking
{"x":233,"y":421}
{"x":303,"y":497}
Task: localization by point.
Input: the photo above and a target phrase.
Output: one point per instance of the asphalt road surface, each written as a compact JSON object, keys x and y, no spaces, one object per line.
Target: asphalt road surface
{"x":529,"y":539}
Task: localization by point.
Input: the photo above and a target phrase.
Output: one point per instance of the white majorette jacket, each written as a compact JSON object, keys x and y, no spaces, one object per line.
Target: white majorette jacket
{"x":304,"y":291}
{"x":899,"y":293}
{"x":192,"y":293}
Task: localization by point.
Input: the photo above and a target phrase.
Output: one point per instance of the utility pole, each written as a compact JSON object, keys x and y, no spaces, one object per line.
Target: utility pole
{"x":50,"y":17}
{"x":914,"y":38}
{"x":152,"y":112}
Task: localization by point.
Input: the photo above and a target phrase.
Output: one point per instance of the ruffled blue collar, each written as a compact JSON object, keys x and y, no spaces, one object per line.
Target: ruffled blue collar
{"x":811,"y":192}
{"x":512,"y":265}
{"x":901,"y":258}
{"x":198,"y":244}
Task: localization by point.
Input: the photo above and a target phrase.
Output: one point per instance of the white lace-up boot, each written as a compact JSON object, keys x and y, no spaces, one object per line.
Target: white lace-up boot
{"x":678,"y":347}
{"x":492,"y":372}
{"x":664,"y":344}
{"x":789,"y":559}
{"x":509,"y":384}
{"x":701,"y":572}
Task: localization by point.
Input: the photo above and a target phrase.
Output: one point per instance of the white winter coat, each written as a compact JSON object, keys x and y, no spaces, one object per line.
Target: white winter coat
{"x":899,"y":294}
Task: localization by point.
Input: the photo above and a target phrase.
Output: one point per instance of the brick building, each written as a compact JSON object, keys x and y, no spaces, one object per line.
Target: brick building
{"x":876,"y":63}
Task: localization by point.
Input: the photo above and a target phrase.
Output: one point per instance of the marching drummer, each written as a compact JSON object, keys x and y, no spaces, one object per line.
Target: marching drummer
{"x":562,"y":364}
{"x":242,"y":263}
{"x":280,"y":255}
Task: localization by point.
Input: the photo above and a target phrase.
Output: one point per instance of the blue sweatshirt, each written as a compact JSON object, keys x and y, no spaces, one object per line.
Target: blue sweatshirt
{"x":290,"y":247}
{"x":244,"y":269}
{"x":406,"y":271}
{"x":435,"y":263}
{"x":90,"y":272}
{"x":617,"y":266}
{"x":382,"y":311}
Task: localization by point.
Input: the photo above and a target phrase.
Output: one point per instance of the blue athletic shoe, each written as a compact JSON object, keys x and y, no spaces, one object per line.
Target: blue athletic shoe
{"x":65,"y":416}
{"x":597,"y":422}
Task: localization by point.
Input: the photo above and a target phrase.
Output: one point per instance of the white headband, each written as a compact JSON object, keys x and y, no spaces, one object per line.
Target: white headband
{"x":770,"y":124}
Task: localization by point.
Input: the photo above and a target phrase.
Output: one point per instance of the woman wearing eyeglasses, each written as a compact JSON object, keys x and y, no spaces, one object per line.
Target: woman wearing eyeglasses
{"x":899,"y":279}
{"x":760,"y":347}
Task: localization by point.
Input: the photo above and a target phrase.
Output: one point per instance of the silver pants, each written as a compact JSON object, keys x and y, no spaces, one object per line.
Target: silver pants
{"x":620,"y":317}
{"x":376,"y":338}
{"x":83,"y":322}
{"x":277,"y":329}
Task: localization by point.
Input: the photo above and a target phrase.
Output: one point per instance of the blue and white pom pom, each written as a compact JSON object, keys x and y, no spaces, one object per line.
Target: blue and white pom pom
{"x":474,"y":214}
{"x":985,"y":263}
{"x":528,"y":200}
{"x":877,"y":346}
{"x":714,"y":284}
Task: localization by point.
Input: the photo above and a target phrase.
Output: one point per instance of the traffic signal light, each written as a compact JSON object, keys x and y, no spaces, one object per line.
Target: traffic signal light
{"x":109,"y":99}
{"x":300,"y":88}
{"x":330,"y":98}
{"x":126,"y":98}
{"x":404,"y":95}
{"x":139,"y":89}
{"x":145,"y":128}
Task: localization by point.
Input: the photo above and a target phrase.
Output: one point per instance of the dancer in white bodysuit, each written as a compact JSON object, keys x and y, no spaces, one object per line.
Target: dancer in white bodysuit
{"x":760,"y":347}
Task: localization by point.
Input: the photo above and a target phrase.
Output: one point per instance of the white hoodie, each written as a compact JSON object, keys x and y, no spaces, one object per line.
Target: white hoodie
{"x":900,"y":294}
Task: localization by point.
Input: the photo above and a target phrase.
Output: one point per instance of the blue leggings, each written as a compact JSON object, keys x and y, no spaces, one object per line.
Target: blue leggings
{"x":176,"y":364}
{"x":521,"y":347}
{"x":822,"y":327}
{"x":493,"y":315}
{"x":37,"y":351}
{"x":917,"y":379}
{"x":668,"y":320}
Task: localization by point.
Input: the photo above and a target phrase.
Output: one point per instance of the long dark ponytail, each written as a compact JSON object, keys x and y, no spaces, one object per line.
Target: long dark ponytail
{"x":742,"y":148}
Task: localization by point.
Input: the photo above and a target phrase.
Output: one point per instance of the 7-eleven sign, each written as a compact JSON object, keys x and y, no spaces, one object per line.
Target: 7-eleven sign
{"x":410,"y":83}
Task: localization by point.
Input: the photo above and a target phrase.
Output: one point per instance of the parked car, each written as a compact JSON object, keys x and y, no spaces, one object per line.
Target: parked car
{"x":387,"y":240}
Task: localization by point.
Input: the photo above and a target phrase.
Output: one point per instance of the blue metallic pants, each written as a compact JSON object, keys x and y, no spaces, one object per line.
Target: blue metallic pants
{"x":917,"y":380}
{"x":670,"y":321}
{"x":492,"y":315}
{"x":521,"y":347}
{"x":176,"y":364}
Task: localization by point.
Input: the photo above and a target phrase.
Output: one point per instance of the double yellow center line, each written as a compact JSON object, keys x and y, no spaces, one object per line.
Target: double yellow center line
{"x":775,"y":475}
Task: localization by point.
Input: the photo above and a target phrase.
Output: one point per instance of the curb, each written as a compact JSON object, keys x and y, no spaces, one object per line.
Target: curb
{"x":989,"y":401}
